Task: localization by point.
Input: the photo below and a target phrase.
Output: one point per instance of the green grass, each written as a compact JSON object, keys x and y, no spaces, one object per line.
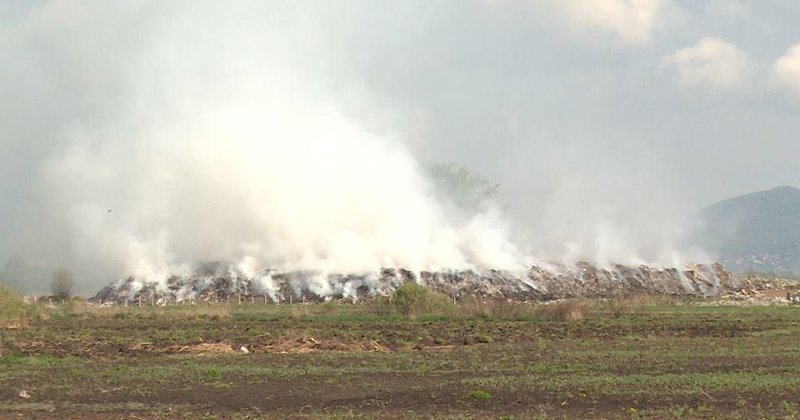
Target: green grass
{"x":479,"y":394}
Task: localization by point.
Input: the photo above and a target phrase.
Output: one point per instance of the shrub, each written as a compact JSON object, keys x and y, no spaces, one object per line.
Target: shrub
{"x":415,"y":299}
{"x":62,"y":284}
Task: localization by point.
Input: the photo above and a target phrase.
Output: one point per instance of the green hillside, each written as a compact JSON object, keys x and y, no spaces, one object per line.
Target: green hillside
{"x":758,"y":231}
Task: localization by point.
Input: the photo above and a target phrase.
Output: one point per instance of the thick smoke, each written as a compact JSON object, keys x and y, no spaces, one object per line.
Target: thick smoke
{"x":144,"y":137}
{"x":224,"y":145}
{"x":277,"y":180}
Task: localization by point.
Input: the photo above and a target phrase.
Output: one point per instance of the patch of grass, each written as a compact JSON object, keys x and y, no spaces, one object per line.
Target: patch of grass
{"x":212,"y":375}
{"x":675,"y":384}
{"x":480,"y":394}
{"x":790,"y":409}
{"x":679,"y":411}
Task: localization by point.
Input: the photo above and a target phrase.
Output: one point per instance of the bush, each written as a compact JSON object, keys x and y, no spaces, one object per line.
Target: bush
{"x":62,"y":284}
{"x":415,"y":299}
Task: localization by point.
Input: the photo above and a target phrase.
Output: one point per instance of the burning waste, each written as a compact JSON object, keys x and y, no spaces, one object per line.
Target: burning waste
{"x":222,"y":282}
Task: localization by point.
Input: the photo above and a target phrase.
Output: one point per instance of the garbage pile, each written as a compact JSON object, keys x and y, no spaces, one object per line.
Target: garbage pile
{"x":222,"y":282}
{"x":762,"y":289}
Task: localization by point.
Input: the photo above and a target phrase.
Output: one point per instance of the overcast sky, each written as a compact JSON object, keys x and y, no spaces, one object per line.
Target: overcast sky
{"x":599,"y":118}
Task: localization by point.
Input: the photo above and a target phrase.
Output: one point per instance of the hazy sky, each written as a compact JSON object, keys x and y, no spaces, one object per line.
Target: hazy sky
{"x":605,"y":122}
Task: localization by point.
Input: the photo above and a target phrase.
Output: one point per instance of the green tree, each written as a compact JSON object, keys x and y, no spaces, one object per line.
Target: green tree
{"x":463,"y":187}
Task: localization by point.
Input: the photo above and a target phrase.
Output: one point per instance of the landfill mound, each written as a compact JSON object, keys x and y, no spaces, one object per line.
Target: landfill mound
{"x":222,"y":282}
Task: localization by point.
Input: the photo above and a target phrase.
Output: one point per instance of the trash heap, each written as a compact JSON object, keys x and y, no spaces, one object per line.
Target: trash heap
{"x":762,"y":289}
{"x":216,"y":282}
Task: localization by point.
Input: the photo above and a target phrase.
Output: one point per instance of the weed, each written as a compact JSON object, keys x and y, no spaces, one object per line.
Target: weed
{"x":679,"y":411}
{"x":541,"y":344}
{"x":479,"y":394}
{"x":789,"y":408}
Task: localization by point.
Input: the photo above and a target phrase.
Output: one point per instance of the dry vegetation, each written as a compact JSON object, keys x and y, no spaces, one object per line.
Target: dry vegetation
{"x":14,"y":312}
{"x":568,"y":310}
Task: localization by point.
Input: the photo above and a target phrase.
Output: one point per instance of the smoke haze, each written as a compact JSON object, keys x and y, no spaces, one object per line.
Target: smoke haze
{"x":142,"y":137}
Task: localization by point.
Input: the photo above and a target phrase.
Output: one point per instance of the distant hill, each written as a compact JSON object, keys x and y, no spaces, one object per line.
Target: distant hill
{"x":758,"y":231}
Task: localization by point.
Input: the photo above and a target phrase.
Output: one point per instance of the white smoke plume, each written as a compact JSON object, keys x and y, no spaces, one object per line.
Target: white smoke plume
{"x":222,"y":145}
{"x":146,"y":136}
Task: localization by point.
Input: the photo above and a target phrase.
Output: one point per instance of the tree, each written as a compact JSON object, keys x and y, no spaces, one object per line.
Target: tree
{"x":62,"y":284}
{"x":462,"y":187}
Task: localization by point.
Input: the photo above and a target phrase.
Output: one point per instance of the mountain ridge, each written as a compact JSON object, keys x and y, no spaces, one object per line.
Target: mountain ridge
{"x":758,"y":231}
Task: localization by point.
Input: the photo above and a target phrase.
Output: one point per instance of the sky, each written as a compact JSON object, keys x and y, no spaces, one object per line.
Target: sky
{"x":141,"y":136}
